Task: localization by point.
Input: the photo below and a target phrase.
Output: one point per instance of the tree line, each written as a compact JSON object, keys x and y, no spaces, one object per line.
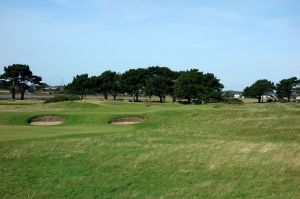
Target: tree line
{"x":284,"y":88}
{"x":191,"y":85}
{"x":152,"y":81}
{"x":19,"y":77}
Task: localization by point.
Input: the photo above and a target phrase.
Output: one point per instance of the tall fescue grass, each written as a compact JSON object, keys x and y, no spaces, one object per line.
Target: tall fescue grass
{"x":62,"y":98}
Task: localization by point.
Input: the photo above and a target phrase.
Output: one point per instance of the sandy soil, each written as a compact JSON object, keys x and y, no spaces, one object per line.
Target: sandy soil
{"x":46,"y":121}
{"x":128,"y":120}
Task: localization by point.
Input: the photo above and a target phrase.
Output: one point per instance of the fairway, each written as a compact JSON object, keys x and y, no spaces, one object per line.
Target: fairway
{"x":178,"y":151}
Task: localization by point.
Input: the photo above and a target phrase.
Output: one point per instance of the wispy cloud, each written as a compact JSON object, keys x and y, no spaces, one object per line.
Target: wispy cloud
{"x":137,"y":11}
{"x":72,"y":33}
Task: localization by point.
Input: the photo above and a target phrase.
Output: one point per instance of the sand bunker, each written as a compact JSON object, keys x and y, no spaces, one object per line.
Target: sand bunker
{"x":46,"y":121}
{"x":128,"y":120}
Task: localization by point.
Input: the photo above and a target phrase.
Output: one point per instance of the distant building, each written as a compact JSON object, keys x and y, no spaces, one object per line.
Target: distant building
{"x":51,"y":89}
{"x":54,"y":88}
{"x":238,"y":96}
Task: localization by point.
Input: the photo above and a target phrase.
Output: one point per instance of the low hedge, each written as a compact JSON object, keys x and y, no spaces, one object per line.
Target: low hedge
{"x":62,"y":98}
{"x":233,"y":101}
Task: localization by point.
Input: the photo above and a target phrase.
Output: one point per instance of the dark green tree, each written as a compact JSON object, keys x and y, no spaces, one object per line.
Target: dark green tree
{"x":189,"y":85}
{"x":149,"y":88}
{"x":110,"y":83}
{"x":20,"y":76}
{"x":286,"y":87}
{"x":297,"y":90}
{"x":211,"y":88}
{"x":95,"y":84}
{"x":157,"y":86}
{"x":259,"y":88}
{"x":158,"y":82}
{"x":133,"y":81}
{"x":4,"y":84}
{"x":193,"y":84}
{"x":172,"y":84}
{"x":81,"y":85}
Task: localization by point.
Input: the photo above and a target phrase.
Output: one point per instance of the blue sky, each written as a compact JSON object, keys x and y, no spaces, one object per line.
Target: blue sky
{"x":239,"y":41}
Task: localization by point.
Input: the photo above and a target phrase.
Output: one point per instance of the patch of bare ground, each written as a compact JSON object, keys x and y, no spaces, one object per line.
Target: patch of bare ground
{"x":46,"y":121}
{"x":128,"y":120}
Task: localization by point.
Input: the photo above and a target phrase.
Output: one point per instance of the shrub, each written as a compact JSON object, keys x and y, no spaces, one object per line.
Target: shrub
{"x":281,"y":100}
{"x":196,"y":101}
{"x":183,"y":102}
{"x":62,"y":98}
{"x":233,"y":101}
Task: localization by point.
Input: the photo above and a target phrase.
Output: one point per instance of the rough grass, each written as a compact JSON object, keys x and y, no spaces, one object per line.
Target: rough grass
{"x":181,"y":151}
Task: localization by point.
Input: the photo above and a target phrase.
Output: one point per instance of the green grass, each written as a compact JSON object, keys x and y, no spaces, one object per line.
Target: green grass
{"x":181,"y":151}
